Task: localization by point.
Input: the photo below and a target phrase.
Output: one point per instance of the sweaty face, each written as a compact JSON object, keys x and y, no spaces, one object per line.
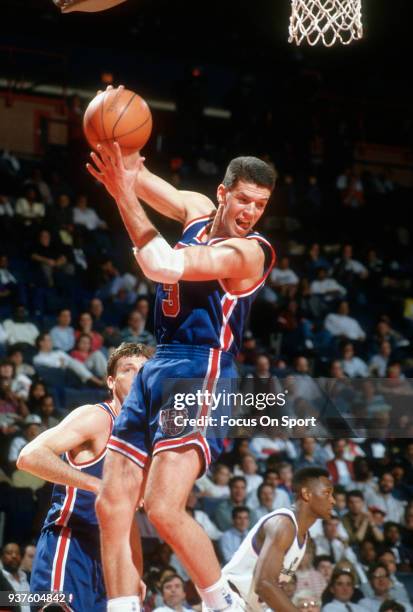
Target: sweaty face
{"x":126,"y":370}
{"x":243,"y":204}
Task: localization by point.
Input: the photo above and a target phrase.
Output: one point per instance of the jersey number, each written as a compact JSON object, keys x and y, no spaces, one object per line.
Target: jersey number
{"x":171,"y":304}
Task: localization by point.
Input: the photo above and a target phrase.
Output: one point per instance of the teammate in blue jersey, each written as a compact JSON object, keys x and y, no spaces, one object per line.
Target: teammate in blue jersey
{"x":206,"y":286}
{"x":71,"y":455}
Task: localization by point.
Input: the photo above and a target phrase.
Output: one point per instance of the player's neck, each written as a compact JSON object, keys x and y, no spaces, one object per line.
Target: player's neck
{"x":305,"y":519}
{"x":116,"y":405}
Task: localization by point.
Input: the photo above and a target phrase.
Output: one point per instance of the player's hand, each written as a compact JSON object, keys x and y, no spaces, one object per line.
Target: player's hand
{"x":66,"y":5}
{"x":111,"y":171}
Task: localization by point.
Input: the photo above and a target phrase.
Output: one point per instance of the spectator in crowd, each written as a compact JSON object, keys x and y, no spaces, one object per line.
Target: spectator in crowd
{"x":341,"y":501}
{"x":173,"y":593}
{"x":231,"y":538}
{"x":385,"y":331}
{"x":60,"y":218}
{"x":37,"y":180}
{"x":281,"y":499}
{"x":341,"y":587}
{"x":331,"y":543}
{"x":357,"y":522}
{"x":249,"y":470}
{"x":95,"y":361}
{"x":85,"y":326}
{"x":341,"y":325}
{"x":341,"y":470}
{"x":312,"y":454}
{"x":10,"y":289}
{"x":306,"y":600}
{"x":48,"y":412}
{"x":398,"y":590}
{"x":265,"y":495}
{"x":97,"y":310}
{"x":27,"y":560}
{"x":393,"y":540}
{"x":364,"y":480}
{"x":86,"y":216}
{"x":63,"y":334}
{"x":49,"y":358}
{"x":350,"y":188}
{"x":315,"y":260}
{"x":15,"y":577}
{"x":31,"y":429}
{"x":51,"y":264}
{"x":325,"y":565}
{"x":135,"y":330}
{"x":389,"y":605}
{"x":283,"y":279}
{"x":11,"y":405}
{"x":384,"y":499}
{"x":348,"y":269}
{"x":37,"y":392}
{"x":19,"y":384}
{"x":381,"y":584}
{"x":238,"y":494}
{"x":379,"y":362}
{"x":327,"y":289}
{"x":353,"y":366}
{"x":19,"y":330}
{"x":15,"y":355}
{"x":29,"y":208}
{"x":217,"y":485}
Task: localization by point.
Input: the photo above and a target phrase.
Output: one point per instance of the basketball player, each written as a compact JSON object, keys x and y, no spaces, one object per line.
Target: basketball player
{"x":206,"y":287}
{"x":274,"y":548}
{"x":71,"y":455}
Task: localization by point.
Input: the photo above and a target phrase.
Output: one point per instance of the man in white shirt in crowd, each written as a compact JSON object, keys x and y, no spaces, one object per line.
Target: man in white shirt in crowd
{"x":173,"y":593}
{"x":326,"y":287}
{"x":231,"y":538}
{"x":86,"y":216}
{"x":19,"y":330}
{"x":63,"y":334}
{"x":283,"y":279}
{"x":342,"y":589}
{"x":385,"y":500}
{"x":340,"y":324}
{"x":381,"y":584}
{"x":11,"y":559}
{"x":346,"y":264}
{"x":50,"y":358}
{"x":353,"y":366}
{"x":379,"y":362}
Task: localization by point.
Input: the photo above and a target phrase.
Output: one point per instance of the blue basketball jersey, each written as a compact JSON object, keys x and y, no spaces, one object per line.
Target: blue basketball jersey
{"x":205,"y":313}
{"x":72,"y":507}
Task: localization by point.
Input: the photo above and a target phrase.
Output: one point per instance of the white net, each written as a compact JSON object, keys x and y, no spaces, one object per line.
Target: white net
{"x":325,"y":21}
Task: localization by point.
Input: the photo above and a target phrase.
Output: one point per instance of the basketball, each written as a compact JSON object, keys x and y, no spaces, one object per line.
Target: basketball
{"x":121,"y":115}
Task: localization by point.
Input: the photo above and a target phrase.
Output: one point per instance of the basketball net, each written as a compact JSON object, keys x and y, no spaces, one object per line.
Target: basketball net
{"x":325,"y":21}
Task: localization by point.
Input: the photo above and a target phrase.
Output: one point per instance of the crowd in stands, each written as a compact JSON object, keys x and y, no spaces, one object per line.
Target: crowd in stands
{"x":336,"y":308}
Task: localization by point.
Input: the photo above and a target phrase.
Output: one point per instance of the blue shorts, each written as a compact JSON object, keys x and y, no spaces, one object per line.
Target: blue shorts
{"x":69,"y":561}
{"x":149,"y":421}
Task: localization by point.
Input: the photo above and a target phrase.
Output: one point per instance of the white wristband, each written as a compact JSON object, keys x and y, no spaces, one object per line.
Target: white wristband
{"x":159,"y":262}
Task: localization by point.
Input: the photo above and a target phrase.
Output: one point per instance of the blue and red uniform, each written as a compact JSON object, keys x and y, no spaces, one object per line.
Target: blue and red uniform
{"x":68,"y":551}
{"x":199,"y":328}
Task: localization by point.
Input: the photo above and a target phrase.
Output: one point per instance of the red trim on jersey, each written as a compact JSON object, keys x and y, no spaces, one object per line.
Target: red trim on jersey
{"x":211,"y":377}
{"x":59,"y":561}
{"x":195,"y":439}
{"x":131,"y":452}
{"x":102,"y":453}
{"x":226,"y":335}
{"x":67,"y":506}
{"x":195,"y":220}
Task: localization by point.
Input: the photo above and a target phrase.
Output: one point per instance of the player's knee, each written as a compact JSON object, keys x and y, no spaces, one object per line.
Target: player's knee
{"x":109,"y":504}
{"x":161,"y":514}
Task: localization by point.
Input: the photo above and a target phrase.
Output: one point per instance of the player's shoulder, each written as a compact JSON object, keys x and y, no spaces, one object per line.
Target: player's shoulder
{"x":88,"y":414}
{"x":196,"y":206}
{"x":280,"y":525}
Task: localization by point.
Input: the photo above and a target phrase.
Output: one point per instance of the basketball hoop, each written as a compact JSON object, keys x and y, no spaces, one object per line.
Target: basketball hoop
{"x":325,"y":21}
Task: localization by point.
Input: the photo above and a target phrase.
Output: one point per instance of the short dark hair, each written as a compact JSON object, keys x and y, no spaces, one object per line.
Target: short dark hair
{"x":169,"y":579}
{"x":385,"y":551}
{"x":376,"y":566}
{"x":238,"y":510}
{"x":320,"y":558}
{"x":355,"y":493}
{"x":391,"y":605}
{"x":127,"y":349}
{"x":305,"y":475}
{"x":337,"y":573}
{"x":235,"y":479}
{"x":251,"y":170}
{"x":261,"y":487}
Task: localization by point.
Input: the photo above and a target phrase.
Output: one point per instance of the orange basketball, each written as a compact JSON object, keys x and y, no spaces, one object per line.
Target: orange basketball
{"x":121,"y":115}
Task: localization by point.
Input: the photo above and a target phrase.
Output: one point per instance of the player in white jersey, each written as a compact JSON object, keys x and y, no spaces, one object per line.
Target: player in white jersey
{"x":274,"y":548}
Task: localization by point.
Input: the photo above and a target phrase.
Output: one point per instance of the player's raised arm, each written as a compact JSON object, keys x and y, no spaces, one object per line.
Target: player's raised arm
{"x":183,"y":206}
{"x":279,"y":534}
{"x":41,"y":457}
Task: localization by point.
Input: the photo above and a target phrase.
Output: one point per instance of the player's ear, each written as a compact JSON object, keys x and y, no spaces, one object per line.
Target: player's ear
{"x":221,"y":193}
{"x":110,"y":381}
{"x":305,"y":493}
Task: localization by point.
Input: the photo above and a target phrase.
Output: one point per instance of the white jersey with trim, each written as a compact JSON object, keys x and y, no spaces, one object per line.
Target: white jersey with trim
{"x":241,"y":569}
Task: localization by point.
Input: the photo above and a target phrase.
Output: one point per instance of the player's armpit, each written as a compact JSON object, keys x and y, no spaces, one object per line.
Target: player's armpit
{"x":279,"y":534}
{"x":235,"y":258}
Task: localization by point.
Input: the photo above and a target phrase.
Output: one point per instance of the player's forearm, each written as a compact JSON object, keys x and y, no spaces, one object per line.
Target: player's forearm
{"x":43,"y":462}
{"x":160,"y":195}
{"x":137,"y":224}
{"x":274,"y":597}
